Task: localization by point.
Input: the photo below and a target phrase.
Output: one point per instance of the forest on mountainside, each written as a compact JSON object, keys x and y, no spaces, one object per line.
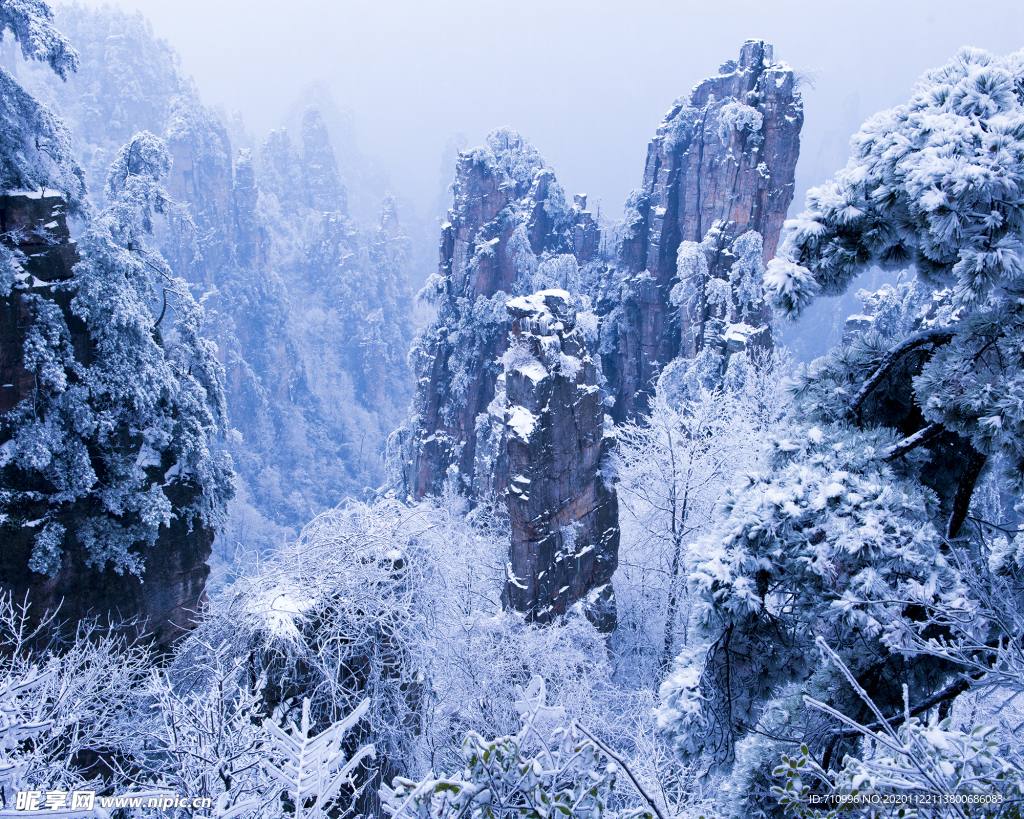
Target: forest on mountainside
{"x":294,"y":523}
{"x":311,"y":309}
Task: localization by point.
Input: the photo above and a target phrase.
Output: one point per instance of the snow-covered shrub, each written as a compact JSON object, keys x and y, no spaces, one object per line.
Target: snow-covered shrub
{"x":473,"y":654}
{"x":332,"y":619}
{"x":916,"y":770}
{"x":209,"y":742}
{"x":312,"y":770}
{"x":906,"y":768}
{"x":546,"y":769}
{"x":63,"y":701}
{"x":711,"y":305}
{"x":671,"y":471}
{"x":829,"y":541}
{"x":206,"y":741}
{"x":734,"y":115}
{"x":514,"y":155}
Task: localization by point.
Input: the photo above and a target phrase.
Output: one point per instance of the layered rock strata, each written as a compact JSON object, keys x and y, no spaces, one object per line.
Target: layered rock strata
{"x":722,"y":160}
{"x":564,"y":519}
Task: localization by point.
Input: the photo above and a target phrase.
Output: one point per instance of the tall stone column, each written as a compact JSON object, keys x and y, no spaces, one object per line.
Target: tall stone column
{"x":565,"y":532}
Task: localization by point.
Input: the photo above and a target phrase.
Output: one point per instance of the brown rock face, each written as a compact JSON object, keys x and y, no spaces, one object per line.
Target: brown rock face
{"x":160,"y":606}
{"x":508,"y":217}
{"x":724,"y":159}
{"x":201,"y":176}
{"x":718,"y":182}
{"x":163,"y":603}
{"x":565,"y":532}
{"x":510,"y":233}
{"x":36,"y":226}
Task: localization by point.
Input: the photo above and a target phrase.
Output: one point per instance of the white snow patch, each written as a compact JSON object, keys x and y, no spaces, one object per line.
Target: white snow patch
{"x":521,"y":421}
{"x":280,"y":612}
{"x":147,"y":457}
{"x":533,"y":370}
{"x":570,"y":365}
{"x":739,"y":332}
{"x":534,"y":303}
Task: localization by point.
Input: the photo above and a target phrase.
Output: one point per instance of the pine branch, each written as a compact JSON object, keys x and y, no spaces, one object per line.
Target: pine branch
{"x":954,"y":689}
{"x":935,"y":337}
{"x":922,"y":436}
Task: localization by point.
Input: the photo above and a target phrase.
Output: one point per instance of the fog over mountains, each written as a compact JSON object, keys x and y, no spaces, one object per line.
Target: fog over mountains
{"x":586,"y":82}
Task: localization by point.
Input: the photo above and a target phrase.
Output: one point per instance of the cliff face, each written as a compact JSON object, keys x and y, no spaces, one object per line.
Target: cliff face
{"x":160,"y":606}
{"x":565,"y":532}
{"x":523,"y":424}
{"x":721,"y":165}
{"x":310,"y":309}
{"x":509,"y":400}
{"x":35,"y":226}
{"x":165,"y":600}
{"x":323,"y":184}
{"x":508,"y":230}
{"x":201,"y":177}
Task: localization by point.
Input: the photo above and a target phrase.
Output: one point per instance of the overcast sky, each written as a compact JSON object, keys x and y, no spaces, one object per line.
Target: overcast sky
{"x":586,"y":82}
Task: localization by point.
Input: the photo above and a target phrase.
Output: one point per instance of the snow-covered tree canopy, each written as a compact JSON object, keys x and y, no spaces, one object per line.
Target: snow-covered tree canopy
{"x":938,"y":183}
{"x":31,"y":23}
{"x":35,"y":146}
{"x":110,"y":436}
{"x":862,"y":531}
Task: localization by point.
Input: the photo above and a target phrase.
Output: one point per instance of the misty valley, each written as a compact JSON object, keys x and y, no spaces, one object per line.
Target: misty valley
{"x":317,"y":503}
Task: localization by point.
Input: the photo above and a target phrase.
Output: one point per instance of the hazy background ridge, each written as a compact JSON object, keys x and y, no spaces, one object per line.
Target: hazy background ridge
{"x":586,"y":82}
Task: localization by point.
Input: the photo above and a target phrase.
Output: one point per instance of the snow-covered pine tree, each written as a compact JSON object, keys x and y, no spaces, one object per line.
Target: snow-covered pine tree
{"x":118,"y":436}
{"x":856,"y":531}
{"x":935,"y":183}
{"x":35,"y":146}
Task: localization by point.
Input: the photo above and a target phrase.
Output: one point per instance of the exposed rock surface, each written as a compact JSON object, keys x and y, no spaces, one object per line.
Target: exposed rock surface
{"x":165,"y":601}
{"x":565,"y":532}
{"x":508,"y":231}
{"x":723,"y":159}
{"x":525,"y":425}
{"x":36,"y":226}
{"x":718,"y":181}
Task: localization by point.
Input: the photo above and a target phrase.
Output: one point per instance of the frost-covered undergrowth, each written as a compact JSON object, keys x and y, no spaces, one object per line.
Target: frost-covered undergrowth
{"x":393,"y":606}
